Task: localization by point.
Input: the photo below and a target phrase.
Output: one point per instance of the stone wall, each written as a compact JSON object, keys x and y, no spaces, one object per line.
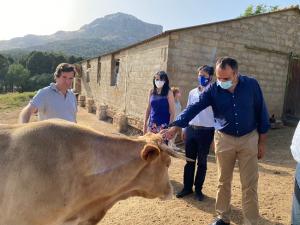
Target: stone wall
{"x":137,"y":67}
{"x":261,"y":45}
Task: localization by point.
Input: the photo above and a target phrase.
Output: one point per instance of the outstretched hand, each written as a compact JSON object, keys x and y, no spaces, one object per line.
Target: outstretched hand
{"x":168,"y":134}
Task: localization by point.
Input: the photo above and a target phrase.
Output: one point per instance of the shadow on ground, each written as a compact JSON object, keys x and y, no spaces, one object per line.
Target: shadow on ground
{"x":208,"y":206}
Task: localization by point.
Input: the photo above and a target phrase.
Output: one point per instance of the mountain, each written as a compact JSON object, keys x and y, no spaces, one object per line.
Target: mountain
{"x":98,"y":37}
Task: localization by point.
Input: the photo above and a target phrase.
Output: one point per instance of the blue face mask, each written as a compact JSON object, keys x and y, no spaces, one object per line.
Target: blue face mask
{"x":203,"y":81}
{"x":225,"y":84}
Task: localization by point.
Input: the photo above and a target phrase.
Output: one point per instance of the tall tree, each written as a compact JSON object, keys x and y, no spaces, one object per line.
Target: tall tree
{"x":57,"y":59}
{"x":4,"y":64}
{"x":17,"y":77}
{"x":39,"y":62}
{"x":259,"y":9}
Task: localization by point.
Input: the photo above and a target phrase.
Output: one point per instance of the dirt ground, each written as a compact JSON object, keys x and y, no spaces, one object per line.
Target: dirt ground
{"x":275,"y":186}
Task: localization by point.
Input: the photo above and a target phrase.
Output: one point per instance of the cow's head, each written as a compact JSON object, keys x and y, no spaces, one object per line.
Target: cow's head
{"x":155,"y":178}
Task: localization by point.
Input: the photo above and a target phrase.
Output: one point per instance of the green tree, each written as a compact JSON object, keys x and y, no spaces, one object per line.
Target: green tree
{"x":39,"y":81}
{"x":40,"y":66}
{"x":17,"y":77}
{"x":57,"y":59}
{"x":259,"y":9}
{"x":4,"y":64}
{"x":10,"y":60}
{"x":23,"y":59}
{"x":72,"y":59}
{"x":39,"y":62}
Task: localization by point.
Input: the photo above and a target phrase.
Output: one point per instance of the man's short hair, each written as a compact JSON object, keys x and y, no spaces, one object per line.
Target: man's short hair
{"x":64,"y":67}
{"x":224,"y":61}
{"x":209,"y":69}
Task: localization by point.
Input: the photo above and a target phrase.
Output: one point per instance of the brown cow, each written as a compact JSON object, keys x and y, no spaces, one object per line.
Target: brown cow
{"x":55,"y":172}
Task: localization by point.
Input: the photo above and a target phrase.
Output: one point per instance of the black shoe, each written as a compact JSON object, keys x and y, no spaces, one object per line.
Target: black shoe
{"x":199,"y":196}
{"x":183,"y":193}
{"x":219,"y":222}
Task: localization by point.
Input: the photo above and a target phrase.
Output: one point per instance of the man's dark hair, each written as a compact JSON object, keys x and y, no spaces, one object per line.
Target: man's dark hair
{"x":224,"y":61}
{"x":209,"y":69}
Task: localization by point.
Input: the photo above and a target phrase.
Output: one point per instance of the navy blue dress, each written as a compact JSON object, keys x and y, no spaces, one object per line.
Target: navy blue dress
{"x":159,"y":113}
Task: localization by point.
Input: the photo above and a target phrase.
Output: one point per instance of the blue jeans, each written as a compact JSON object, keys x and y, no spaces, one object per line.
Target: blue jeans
{"x":296,"y":198}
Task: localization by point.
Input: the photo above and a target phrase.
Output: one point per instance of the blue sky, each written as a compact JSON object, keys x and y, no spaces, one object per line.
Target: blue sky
{"x":18,"y":18}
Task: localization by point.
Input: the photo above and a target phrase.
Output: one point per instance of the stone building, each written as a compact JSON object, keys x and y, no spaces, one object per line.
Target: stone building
{"x":265,"y":45}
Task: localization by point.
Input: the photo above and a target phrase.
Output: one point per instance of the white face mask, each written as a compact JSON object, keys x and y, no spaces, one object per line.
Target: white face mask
{"x":159,"y":83}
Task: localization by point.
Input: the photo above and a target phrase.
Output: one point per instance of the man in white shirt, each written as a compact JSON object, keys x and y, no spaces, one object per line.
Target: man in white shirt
{"x":56,"y":100}
{"x":295,"y":149}
{"x":198,"y":137}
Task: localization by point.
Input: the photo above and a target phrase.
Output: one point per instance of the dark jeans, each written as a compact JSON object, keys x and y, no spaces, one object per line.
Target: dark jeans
{"x":197,"y":144}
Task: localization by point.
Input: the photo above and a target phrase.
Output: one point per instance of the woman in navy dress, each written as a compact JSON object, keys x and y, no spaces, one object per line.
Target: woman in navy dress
{"x":161,"y":105}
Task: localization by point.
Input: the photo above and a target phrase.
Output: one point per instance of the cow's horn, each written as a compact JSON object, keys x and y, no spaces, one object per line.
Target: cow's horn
{"x":173,"y":153}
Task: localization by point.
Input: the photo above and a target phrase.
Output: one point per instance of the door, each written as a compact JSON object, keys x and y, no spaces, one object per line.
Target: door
{"x":292,"y":97}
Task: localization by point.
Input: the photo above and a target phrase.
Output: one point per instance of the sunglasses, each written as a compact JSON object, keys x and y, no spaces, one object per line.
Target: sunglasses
{"x":67,"y":69}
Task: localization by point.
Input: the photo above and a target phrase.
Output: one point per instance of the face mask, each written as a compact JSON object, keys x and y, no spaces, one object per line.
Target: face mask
{"x":203,"y":81}
{"x":225,"y":84}
{"x":159,"y":83}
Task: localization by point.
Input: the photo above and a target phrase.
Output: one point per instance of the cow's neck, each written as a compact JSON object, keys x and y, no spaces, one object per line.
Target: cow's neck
{"x":115,"y":160}
{"x":114,"y":154}
{"x":116,"y":165}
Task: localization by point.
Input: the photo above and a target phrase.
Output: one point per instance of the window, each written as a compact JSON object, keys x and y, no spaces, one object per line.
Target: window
{"x":88,"y":68}
{"x":99,"y":70}
{"x":115,"y":69}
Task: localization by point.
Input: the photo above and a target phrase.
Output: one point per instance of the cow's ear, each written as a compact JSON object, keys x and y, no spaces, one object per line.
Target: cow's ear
{"x":150,"y":152}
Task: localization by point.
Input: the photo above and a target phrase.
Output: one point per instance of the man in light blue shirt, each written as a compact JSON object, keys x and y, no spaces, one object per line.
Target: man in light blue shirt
{"x":56,"y":100}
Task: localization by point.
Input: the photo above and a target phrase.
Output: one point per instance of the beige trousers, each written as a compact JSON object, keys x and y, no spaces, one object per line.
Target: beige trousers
{"x":244,"y":149}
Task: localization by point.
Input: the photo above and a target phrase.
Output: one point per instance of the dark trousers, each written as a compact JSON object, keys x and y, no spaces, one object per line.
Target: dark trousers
{"x":197,"y":144}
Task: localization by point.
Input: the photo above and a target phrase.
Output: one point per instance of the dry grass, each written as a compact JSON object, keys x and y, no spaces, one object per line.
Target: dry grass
{"x":12,"y":101}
